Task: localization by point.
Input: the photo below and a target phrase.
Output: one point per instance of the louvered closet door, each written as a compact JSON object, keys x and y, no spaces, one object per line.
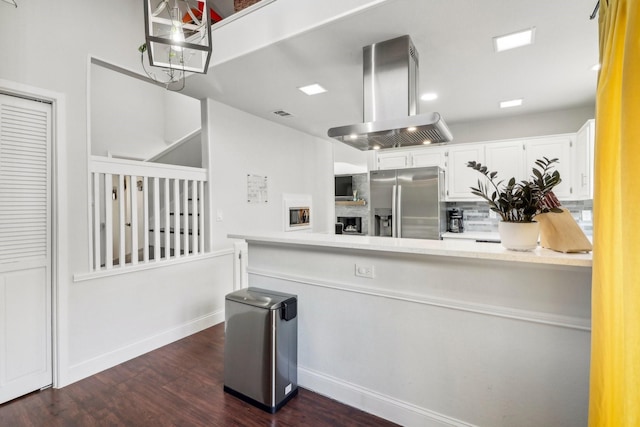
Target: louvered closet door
{"x":25,"y":246}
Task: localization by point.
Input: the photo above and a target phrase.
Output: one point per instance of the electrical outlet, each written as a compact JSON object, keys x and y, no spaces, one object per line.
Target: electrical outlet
{"x":492,"y":214}
{"x":219,"y":215}
{"x":586,"y":216}
{"x":364,"y":271}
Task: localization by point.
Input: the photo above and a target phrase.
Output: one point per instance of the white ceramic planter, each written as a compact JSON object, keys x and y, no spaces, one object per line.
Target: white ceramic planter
{"x":519,"y":236}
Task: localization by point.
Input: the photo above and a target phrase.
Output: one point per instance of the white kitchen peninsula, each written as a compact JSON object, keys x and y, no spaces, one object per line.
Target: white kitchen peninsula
{"x":443,"y":333}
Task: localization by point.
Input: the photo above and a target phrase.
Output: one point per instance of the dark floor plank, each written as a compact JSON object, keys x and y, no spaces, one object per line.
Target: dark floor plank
{"x":177,"y":385}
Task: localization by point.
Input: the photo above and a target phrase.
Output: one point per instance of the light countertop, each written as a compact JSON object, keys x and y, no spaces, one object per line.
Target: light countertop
{"x":474,"y":235}
{"x":460,"y":248}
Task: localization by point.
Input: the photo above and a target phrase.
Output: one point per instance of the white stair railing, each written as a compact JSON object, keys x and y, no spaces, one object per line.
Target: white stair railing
{"x":145,"y":212}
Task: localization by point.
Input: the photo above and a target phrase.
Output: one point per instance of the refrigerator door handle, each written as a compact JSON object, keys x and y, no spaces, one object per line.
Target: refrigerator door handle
{"x":399,"y":212}
{"x":394,"y":217}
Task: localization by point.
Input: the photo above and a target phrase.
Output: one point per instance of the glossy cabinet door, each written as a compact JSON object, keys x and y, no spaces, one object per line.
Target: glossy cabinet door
{"x":393,"y":160}
{"x":583,"y":161}
{"x":417,"y":157}
{"x":459,"y":176}
{"x":429,"y":156}
{"x":510,"y":158}
{"x":553,"y":147}
{"x":506,"y":158}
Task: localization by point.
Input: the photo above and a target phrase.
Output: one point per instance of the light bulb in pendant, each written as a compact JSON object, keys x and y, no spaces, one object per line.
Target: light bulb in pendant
{"x":177,"y":33}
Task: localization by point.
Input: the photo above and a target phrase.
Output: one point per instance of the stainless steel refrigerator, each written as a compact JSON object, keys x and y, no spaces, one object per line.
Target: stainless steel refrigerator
{"x":408,"y":203}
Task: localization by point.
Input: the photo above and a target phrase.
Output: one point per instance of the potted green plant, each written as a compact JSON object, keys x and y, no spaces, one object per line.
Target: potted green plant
{"x":518,"y":202}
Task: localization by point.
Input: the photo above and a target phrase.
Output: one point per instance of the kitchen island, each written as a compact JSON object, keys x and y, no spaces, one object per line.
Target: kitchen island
{"x":436,"y":333}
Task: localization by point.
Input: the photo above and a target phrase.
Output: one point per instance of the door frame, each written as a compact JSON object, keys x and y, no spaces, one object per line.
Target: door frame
{"x":59,"y":245}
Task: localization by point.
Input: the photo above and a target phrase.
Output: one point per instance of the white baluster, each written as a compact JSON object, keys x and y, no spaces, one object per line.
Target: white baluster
{"x":201,"y":214}
{"x":122,"y":218}
{"x":133,"y":198}
{"x":185,"y":215}
{"x":108,"y":220}
{"x":156,"y":219}
{"x":96,"y":221}
{"x":145,"y":218}
{"x":176,"y":218}
{"x":194,"y":217}
{"x":167,"y":221}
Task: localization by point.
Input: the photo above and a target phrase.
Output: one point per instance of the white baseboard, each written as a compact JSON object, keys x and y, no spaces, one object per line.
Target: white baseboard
{"x":108,"y":360}
{"x":386,"y":407}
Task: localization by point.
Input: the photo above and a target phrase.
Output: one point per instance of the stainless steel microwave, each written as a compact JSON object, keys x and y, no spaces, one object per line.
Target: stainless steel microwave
{"x":299,"y":216}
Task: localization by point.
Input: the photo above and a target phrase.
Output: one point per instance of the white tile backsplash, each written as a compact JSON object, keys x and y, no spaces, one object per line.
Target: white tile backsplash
{"x":476,"y":215}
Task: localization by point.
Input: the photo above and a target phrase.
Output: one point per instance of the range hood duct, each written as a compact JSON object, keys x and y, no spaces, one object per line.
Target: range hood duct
{"x":391,"y":119}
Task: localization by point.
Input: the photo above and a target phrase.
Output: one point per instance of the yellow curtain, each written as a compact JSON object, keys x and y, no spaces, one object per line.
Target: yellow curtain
{"x":615,"y":346}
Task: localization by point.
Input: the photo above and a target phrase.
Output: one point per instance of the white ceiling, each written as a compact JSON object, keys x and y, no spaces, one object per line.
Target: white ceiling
{"x":454,"y":41}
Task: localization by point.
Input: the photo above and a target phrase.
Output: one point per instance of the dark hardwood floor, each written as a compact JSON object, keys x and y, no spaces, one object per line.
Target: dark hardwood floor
{"x":177,"y":385}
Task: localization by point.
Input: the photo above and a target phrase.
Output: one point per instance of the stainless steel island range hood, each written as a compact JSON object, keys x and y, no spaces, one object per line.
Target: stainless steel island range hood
{"x":391,"y":119}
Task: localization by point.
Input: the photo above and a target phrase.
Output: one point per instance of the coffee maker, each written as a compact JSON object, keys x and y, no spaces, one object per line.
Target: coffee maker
{"x":455,"y":223}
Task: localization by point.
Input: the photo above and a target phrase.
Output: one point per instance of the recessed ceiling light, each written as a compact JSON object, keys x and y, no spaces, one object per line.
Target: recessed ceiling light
{"x":513,"y":40}
{"x":429,"y":96}
{"x":426,"y":142}
{"x":313,"y":89}
{"x":412,"y":129}
{"x":376,"y":147}
{"x":511,"y":103}
{"x":353,"y":136}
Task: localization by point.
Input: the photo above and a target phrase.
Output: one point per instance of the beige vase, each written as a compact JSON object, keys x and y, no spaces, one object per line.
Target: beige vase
{"x":519,"y":236}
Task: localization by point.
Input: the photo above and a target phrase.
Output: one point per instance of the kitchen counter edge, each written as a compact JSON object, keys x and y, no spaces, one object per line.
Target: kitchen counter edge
{"x":450,"y":248}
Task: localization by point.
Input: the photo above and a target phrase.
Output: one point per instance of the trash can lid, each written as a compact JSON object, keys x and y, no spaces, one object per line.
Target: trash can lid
{"x":257,"y":297}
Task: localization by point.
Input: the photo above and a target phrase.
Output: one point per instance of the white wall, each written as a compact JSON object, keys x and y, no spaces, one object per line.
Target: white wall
{"x":127,"y":115}
{"x":349,"y":160}
{"x":181,"y":116}
{"x":133,"y":118}
{"x":435,"y":341}
{"x":103,"y":322}
{"x":187,"y":153}
{"x":292,"y":161}
{"x":521,"y":126}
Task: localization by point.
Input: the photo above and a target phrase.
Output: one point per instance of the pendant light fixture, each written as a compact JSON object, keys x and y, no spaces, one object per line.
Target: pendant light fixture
{"x":177,"y":37}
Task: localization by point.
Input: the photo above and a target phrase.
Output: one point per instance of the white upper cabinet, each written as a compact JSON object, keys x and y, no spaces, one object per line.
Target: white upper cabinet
{"x":411,"y":158}
{"x":553,"y":147}
{"x":510,"y":158}
{"x":583,"y":161}
{"x":506,"y":158}
{"x":516,"y":158}
{"x":459,"y":176}
{"x":393,"y":160}
{"x":432,"y":156}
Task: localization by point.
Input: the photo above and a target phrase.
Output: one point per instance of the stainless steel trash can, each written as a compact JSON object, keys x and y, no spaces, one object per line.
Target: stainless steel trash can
{"x":261,"y":347}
